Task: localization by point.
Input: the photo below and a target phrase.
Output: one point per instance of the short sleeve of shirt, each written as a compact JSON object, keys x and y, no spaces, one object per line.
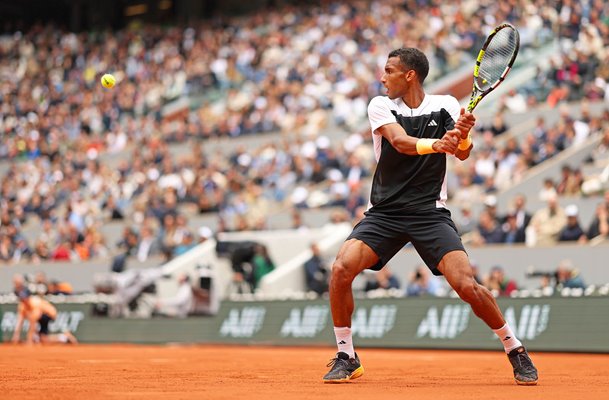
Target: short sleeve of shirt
{"x":454,"y":109}
{"x":379,"y":112}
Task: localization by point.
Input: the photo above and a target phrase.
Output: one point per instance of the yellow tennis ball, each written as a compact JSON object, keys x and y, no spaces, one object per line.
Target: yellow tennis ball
{"x":108,"y":81}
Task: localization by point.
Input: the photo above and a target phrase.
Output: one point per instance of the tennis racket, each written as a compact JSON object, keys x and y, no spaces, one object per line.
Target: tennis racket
{"x":494,"y":61}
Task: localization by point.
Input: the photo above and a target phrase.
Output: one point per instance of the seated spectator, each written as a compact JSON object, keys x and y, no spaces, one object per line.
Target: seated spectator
{"x":519,"y":210}
{"x":567,"y":276}
{"x":383,"y":279}
{"x":205,"y":233}
{"x":546,"y":224}
{"x":316,"y":273}
{"x":261,"y":263}
{"x":572,"y":231}
{"x":600,"y":224}
{"x":499,"y":283}
{"x":489,"y":231}
{"x":511,"y":232}
{"x":422,"y":282}
{"x":188,"y":242}
{"x":548,"y":190}
{"x":148,"y":244}
{"x":465,"y":221}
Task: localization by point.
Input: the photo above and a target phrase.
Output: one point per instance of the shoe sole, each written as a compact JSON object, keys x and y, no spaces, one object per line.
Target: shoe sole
{"x":356,"y":374}
{"x":525,"y":383}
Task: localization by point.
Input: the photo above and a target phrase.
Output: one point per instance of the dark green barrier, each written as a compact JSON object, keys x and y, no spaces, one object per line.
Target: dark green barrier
{"x":560,"y":324}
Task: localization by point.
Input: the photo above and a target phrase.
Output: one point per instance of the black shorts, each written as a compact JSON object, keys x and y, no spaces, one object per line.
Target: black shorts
{"x":43,"y":324}
{"x":432,"y":233}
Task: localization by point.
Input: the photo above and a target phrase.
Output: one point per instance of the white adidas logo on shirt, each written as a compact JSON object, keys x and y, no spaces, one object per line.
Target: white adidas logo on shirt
{"x":432,"y":123}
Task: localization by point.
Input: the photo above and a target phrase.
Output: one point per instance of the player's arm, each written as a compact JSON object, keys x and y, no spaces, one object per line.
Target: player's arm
{"x":412,"y":146}
{"x":463,"y":154}
{"x":464,"y":125}
{"x":19,"y":324}
{"x":33,"y":318}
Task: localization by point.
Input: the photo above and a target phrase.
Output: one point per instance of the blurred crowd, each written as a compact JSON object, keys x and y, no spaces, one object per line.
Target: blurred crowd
{"x":581,"y":69}
{"x":295,"y":70}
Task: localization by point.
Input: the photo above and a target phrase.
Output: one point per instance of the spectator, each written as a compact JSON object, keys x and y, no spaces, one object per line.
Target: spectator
{"x":188,"y":243}
{"x":498,"y":283}
{"x":489,"y":231}
{"x":490,"y":206}
{"x":567,"y":276}
{"x":316,"y":273}
{"x":382,"y":279}
{"x":511,"y":232}
{"x":548,"y":191}
{"x":519,"y":210}
{"x":600,"y":224}
{"x":572,"y":231}
{"x":422,"y":282}
{"x":126,"y":246}
{"x":241,"y":255}
{"x":465,"y":222}
{"x":262,"y":263}
{"x":148,"y":244}
{"x":205,"y":233}
{"x":546,"y":224}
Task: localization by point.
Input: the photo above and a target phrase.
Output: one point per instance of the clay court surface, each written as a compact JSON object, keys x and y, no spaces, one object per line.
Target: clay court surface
{"x":221,"y":372}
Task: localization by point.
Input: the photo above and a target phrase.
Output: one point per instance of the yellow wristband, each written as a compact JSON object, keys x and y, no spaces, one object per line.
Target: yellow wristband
{"x":464,"y":144}
{"x":424,"y":146}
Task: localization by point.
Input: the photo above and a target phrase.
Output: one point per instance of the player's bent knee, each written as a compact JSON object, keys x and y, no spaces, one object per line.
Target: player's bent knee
{"x":341,"y":274}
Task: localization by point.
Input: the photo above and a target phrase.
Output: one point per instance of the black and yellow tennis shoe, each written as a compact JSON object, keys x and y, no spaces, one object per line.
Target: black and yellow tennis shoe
{"x":343,"y":368}
{"x":525,"y":372}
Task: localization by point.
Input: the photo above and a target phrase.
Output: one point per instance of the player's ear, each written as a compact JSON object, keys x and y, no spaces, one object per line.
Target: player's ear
{"x":410,"y":75}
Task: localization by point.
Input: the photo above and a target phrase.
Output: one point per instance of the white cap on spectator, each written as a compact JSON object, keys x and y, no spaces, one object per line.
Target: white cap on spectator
{"x":490,"y":200}
{"x":308,"y":150}
{"x":571,"y":210}
{"x":322,"y":142}
{"x":205,"y":232}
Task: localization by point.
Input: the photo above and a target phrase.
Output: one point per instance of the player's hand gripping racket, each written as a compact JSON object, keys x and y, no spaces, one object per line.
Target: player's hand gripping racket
{"x":494,"y":61}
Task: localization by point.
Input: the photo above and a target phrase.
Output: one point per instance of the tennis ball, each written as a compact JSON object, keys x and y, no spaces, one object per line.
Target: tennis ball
{"x":108,"y":81}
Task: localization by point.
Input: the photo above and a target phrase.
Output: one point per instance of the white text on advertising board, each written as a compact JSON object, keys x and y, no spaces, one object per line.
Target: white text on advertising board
{"x":306,"y":323}
{"x":65,"y":321}
{"x":532,"y":322}
{"x":449,"y":324}
{"x":244,"y":324}
{"x":374,"y":323}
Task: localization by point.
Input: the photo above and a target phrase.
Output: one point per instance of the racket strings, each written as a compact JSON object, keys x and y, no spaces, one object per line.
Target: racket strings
{"x":497,"y":57}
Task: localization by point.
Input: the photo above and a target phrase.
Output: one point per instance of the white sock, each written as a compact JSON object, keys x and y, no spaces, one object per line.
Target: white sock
{"x":507,"y":337}
{"x":344,"y":341}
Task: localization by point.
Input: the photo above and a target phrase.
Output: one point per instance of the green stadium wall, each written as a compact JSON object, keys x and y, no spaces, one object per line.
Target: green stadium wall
{"x":543,"y":324}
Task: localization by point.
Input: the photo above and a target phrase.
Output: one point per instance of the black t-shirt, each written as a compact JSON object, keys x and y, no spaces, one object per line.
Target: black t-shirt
{"x":401,"y":182}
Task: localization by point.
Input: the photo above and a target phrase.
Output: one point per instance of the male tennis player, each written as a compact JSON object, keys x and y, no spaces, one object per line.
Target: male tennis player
{"x":412,"y":133}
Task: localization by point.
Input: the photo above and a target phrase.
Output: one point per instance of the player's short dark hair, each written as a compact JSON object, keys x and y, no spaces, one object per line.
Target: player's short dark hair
{"x":414,"y":59}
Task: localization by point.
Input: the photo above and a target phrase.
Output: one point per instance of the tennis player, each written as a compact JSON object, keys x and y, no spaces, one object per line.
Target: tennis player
{"x":39,"y":313}
{"x":412,"y":134}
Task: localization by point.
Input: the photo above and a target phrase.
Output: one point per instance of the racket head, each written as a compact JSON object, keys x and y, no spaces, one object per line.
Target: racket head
{"x":494,"y":61}
{"x":496,"y":56}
